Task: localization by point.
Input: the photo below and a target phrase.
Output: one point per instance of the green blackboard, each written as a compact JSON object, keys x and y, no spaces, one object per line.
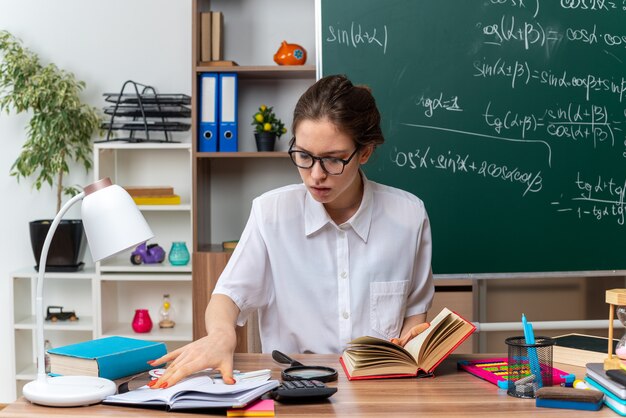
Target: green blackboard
{"x":506,"y":117}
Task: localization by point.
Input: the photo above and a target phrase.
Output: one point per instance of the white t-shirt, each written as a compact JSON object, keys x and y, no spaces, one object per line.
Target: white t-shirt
{"x":318,"y":285}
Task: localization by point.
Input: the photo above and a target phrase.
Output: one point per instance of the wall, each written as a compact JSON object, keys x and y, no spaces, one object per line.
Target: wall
{"x":104,"y":44}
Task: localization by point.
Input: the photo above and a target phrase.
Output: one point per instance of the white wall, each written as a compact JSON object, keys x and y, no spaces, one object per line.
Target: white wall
{"x":104,"y":44}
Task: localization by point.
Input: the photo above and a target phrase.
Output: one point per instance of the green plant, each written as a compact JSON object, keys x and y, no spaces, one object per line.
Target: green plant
{"x":266,"y":121}
{"x":61,"y":126}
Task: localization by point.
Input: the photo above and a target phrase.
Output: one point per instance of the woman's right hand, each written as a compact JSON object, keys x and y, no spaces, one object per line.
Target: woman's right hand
{"x":216,"y":351}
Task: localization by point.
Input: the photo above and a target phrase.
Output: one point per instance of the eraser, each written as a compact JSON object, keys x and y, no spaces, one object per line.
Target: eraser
{"x":569,"y":398}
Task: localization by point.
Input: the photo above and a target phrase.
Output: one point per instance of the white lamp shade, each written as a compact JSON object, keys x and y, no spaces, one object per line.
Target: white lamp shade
{"x":112,"y":222}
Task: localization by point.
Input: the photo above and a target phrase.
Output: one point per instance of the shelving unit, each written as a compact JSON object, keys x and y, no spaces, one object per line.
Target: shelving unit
{"x":120,"y":284}
{"x":225,"y":184}
{"x":106,"y":295}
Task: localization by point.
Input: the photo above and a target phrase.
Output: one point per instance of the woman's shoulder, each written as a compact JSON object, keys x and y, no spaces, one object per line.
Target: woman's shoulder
{"x":289,"y":192}
{"x":394,"y":195}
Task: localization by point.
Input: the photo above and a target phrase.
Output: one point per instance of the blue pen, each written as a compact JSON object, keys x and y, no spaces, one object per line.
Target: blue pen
{"x":529,"y":336}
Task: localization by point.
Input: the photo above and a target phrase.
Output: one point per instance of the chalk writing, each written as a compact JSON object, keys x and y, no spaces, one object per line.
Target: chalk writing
{"x":598,"y":198}
{"x":518,"y":4}
{"x":432,"y":104}
{"x":521,"y":72}
{"x":456,"y":164}
{"x":573,"y":122}
{"x":356,"y":36}
{"x":528,"y":34}
{"x":481,"y":135}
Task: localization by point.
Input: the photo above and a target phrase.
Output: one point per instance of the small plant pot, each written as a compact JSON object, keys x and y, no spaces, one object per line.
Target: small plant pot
{"x":67,"y":247}
{"x":265,"y":141}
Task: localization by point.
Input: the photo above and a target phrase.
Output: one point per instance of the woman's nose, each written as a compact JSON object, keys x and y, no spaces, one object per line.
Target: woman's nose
{"x":317,"y":171}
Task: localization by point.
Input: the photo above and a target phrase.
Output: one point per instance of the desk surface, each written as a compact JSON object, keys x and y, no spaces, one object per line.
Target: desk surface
{"x":451,"y":394}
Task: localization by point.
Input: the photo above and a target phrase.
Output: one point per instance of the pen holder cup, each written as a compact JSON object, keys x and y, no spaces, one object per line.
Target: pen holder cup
{"x":525,"y":362}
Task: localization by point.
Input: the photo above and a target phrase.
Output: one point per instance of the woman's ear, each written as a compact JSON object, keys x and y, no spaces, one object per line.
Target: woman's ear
{"x":365,"y":153}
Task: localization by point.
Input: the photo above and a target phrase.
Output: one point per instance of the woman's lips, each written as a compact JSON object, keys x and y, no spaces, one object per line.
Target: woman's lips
{"x":320,"y":191}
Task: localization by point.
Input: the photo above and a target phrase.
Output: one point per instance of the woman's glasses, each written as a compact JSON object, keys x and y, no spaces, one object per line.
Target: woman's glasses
{"x":331,"y":165}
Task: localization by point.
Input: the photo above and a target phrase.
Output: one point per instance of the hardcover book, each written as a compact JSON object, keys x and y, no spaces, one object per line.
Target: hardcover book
{"x":580,"y":349}
{"x":110,"y":357}
{"x":375,"y":358}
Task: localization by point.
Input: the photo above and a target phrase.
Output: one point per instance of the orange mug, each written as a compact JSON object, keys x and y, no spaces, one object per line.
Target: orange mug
{"x":290,"y":54}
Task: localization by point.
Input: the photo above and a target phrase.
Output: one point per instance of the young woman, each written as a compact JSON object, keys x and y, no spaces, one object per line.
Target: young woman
{"x":325,"y":261}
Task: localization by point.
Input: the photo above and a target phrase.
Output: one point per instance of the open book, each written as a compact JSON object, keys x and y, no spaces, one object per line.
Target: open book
{"x":371,"y":358}
{"x":200,"y":390}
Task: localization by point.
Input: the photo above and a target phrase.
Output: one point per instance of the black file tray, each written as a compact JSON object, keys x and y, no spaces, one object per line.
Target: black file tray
{"x":145,"y":111}
{"x":140,"y":125}
{"x":150,"y":111}
{"x":127,"y":98}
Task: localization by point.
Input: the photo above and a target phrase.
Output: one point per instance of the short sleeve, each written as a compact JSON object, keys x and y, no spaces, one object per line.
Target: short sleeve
{"x":422,"y":291}
{"x":247,"y":276}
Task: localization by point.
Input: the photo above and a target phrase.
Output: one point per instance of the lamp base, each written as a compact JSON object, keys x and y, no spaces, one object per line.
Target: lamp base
{"x":68,"y":390}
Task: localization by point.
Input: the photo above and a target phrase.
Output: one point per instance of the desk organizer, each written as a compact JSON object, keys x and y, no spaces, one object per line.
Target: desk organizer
{"x":530,"y":366}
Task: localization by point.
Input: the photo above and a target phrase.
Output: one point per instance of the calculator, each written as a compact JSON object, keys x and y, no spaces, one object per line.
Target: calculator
{"x":302,"y":391}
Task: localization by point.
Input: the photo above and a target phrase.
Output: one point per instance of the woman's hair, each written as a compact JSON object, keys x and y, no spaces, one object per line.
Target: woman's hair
{"x":352,"y":109}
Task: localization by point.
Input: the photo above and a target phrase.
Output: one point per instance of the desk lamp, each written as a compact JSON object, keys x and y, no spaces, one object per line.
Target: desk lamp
{"x":112,"y":224}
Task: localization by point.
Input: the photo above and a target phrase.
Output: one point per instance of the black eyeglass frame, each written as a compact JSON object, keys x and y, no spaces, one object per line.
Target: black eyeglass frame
{"x":321,"y":159}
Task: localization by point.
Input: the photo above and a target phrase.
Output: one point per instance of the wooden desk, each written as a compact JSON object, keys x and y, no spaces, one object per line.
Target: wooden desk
{"x":451,"y":394}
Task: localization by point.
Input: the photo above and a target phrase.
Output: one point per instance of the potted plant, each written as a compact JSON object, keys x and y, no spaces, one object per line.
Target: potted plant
{"x":267,"y":128}
{"x":59,"y":133}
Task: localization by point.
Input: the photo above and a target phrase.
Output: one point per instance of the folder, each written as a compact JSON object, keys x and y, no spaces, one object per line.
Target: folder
{"x":228,"y":112}
{"x":208,"y":128}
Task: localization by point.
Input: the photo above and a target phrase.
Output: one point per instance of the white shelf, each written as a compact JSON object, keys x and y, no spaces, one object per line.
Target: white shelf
{"x":134,"y":277}
{"x":27,"y":373}
{"x":181,"y":332}
{"x":143,"y":145}
{"x":84,"y":323}
{"x":31,"y":273}
{"x":123,"y":265}
{"x":183,"y":207}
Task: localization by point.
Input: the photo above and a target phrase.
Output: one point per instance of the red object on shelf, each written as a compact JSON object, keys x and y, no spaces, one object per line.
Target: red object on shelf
{"x":142,"y":321}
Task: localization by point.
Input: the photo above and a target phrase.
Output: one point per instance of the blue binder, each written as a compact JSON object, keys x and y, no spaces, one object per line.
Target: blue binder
{"x":208,"y":112}
{"x":228,"y":112}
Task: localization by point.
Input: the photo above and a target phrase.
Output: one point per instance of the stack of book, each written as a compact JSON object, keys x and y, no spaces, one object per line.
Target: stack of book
{"x":153,"y":195}
{"x":614,"y":389}
{"x":211,"y":40}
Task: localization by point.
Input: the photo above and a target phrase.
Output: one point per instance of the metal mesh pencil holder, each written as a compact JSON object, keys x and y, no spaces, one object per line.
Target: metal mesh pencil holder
{"x":529,"y":366}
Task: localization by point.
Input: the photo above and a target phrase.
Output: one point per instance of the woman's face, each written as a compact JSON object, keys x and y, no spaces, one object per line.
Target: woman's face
{"x":321,"y":138}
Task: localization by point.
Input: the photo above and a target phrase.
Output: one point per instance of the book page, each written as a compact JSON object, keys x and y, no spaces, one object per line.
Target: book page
{"x":198,"y":386}
{"x":415,"y":345}
{"x":375,"y":350}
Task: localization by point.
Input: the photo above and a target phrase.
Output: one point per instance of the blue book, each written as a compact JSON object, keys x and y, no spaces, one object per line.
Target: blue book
{"x":110,"y":357}
{"x":611,"y":400}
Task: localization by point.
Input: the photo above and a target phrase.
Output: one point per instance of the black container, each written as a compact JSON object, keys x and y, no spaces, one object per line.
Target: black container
{"x":520,"y":365}
{"x":67,"y":248}
{"x":265,"y":141}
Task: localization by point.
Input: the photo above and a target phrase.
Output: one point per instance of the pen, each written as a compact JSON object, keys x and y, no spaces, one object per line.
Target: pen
{"x":529,"y":336}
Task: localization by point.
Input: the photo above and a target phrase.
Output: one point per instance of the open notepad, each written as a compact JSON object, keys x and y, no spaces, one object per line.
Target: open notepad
{"x":200,"y":390}
{"x":371,"y":357}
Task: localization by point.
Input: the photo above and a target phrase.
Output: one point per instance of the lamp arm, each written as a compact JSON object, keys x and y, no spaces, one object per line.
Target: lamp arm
{"x":39,"y":311}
